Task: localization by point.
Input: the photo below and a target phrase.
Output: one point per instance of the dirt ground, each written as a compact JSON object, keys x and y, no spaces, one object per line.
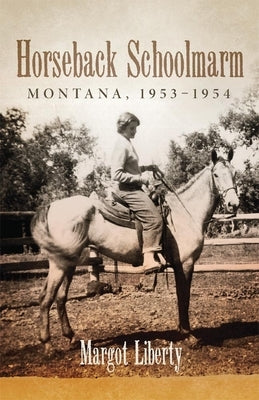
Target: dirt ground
{"x":223,"y":315}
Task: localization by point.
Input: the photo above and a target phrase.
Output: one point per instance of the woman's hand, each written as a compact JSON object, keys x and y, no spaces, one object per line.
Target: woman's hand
{"x":151,"y":167}
{"x":145,"y":181}
{"x":158,"y":174}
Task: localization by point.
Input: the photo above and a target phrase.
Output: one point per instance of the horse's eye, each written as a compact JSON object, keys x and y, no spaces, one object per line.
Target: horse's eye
{"x":216,"y":175}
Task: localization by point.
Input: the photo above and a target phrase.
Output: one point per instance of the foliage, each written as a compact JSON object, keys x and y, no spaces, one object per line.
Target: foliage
{"x":15,"y":167}
{"x":98,"y":181}
{"x":243,"y":119}
{"x":12,"y":126}
{"x":176,"y":167}
{"x":58,"y":148}
{"x":186,"y":161}
{"x":43,"y":168}
{"x":60,"y":179}
{"x":248,"y":183}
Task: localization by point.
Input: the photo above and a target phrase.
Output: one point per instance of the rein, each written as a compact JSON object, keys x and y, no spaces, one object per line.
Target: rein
{"x":158,"y":174}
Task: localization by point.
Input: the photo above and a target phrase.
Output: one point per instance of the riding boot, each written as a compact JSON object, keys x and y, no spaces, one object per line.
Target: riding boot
{"x":150,"y":263}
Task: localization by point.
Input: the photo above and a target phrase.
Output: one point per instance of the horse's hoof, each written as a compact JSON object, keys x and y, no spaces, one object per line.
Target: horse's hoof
{"x":183,"y":332}
{"x":49,"y":350}
{"x":193,"y":342}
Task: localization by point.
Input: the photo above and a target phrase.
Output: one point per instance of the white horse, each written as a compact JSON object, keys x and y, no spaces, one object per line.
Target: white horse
{"x":66,"y":227}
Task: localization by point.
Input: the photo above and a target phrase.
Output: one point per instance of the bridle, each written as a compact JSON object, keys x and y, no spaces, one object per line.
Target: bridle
{"x":222,"y":193}
{"x":159,"y":175}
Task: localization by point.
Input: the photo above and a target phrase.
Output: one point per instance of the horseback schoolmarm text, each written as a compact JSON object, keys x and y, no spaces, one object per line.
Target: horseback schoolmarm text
{"x":147,"y":60}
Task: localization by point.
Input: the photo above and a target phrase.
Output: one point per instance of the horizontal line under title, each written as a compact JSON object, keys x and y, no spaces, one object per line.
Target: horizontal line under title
{"x":151,"y":62}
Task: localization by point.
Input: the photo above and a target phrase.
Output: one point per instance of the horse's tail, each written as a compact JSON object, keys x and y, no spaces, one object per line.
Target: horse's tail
{"x":42,"y":236}
{"x":61,"y":229}
{"x":40,"y":230}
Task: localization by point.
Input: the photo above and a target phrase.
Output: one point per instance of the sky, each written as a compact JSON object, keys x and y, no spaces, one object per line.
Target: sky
{"x":53,"y":25}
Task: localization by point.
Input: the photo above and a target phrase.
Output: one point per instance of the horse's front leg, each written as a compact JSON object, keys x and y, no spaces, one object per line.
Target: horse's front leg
{"x":47,"y":297}
{"x":61,"y":305}
{"x":183,"y":279}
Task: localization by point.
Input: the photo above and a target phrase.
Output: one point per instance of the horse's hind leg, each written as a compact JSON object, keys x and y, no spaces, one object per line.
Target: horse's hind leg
{"x":61,"y":304}
{"x":47,"y":297}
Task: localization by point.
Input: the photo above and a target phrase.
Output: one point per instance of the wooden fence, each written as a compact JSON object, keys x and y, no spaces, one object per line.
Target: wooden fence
{"x":21,"y":238}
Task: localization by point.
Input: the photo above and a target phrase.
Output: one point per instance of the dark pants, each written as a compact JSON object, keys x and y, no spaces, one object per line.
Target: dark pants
{"x":148,"y":215}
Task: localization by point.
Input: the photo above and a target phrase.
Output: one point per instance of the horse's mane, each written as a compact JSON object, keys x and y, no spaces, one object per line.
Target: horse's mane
{"x":188,"y":184}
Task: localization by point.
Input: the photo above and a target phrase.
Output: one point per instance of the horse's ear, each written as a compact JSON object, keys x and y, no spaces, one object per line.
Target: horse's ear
{"x":230,"y":154}
{"x":214,"y":156}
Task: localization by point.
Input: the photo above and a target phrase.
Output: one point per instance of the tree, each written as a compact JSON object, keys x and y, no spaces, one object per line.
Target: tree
{"x":98,"y":180}
{"x":186,"y":161}
{"x":176,"y":167}
{"x":12,"y":125}
{"x":243,"y":119}
{"x":60,"y":179}
{"x":248,"y":183}
{"x":15,"y":167}
{"x":55,"y":151}
{"x":59,"y":136}
{"x":43,"y":168}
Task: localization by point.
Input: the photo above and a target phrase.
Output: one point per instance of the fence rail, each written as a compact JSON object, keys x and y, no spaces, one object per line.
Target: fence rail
{"x":125,"y":269}
{"x":238,"y":217}
{"x":26,"y":240}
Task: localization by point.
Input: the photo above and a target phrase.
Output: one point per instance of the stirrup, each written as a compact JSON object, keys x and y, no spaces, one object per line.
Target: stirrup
{"x":151,"y":270}
{"x":157,"y":265}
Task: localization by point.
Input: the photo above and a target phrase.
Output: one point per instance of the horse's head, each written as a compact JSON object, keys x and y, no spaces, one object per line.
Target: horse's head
{"x":224,"y":179}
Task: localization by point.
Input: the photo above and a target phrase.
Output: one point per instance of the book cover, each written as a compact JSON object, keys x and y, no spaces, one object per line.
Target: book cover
{"x":189,"y":72}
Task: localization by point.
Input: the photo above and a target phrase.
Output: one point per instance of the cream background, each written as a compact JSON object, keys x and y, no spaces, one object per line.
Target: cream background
{"x":53,"y":24}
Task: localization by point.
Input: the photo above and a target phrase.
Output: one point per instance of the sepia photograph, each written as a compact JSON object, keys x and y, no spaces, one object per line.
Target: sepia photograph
{"x":129,"y":199}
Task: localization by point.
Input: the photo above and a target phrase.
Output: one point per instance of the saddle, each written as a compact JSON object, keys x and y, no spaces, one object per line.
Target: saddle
{"x":118,"y":212}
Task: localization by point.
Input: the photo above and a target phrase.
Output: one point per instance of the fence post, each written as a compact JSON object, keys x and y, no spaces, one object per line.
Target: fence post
{"x":93,"y":268}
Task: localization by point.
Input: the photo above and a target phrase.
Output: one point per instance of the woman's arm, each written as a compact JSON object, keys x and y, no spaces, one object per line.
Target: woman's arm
{"x":118,"y":170}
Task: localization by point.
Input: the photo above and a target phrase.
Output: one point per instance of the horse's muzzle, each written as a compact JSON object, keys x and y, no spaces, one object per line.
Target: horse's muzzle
{"x":232,"y":201}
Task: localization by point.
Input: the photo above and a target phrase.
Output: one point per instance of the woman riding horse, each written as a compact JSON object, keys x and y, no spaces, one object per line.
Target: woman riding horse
{"x":66,"y":227}
{"x":127,"y":174}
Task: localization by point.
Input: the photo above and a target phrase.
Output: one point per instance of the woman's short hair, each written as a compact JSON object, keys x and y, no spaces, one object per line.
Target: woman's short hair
{"x":124,"y":120}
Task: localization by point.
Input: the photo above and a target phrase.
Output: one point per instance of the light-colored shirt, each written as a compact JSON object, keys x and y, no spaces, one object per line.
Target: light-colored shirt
{"x":125,"y":163}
